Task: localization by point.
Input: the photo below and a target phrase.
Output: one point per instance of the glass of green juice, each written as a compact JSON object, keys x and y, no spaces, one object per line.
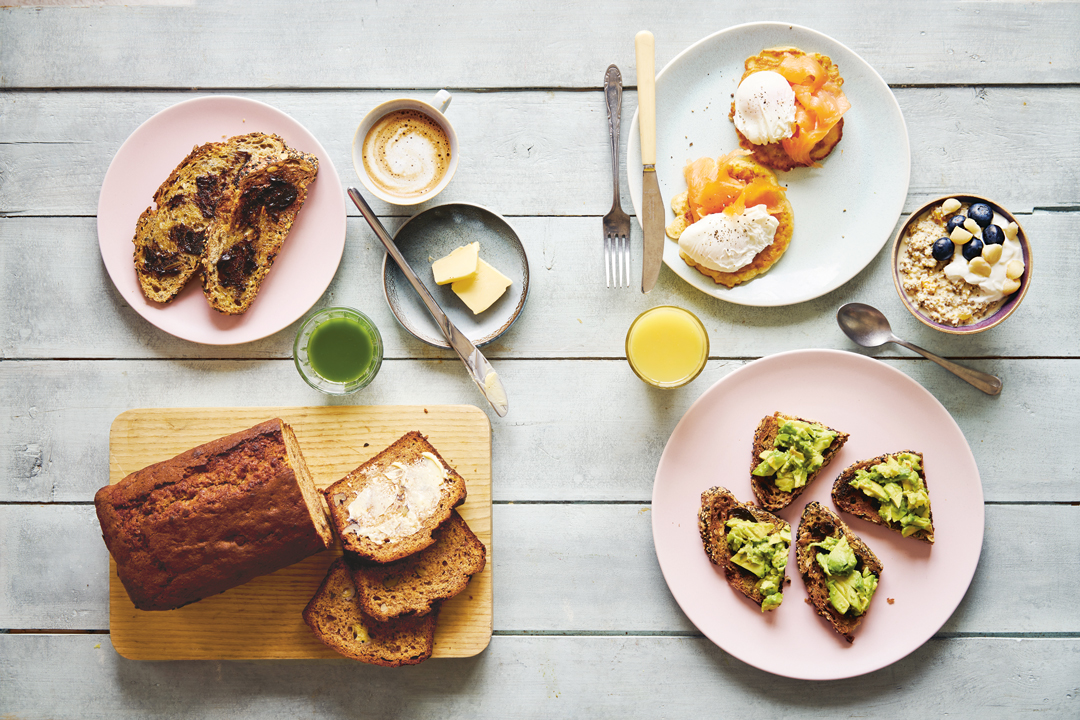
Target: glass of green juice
{"x":338,"y":350}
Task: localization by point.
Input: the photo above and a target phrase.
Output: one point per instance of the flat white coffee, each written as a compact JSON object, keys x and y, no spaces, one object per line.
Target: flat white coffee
{"x":406,"y":153}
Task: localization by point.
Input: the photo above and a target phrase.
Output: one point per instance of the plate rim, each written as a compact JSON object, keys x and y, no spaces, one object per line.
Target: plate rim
{"x":327,"y":171}
{"x":868,"y":363}
{"x":633,"y":150}
{"x":520,"y":307}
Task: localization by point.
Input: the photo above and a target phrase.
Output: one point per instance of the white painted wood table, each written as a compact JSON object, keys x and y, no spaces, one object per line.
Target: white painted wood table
{"x":583,"y":622}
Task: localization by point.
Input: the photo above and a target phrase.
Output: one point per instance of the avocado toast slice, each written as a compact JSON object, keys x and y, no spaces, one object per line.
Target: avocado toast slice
{"x":788,"y":455}
{"x":888,"y":490}
{"x":749,"y":543}
{"x":839,"y":570}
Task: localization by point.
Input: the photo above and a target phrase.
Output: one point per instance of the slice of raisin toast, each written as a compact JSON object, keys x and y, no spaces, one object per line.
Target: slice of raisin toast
{"x":868,"y":506}
{"x":817,"y":524}
{"x":242,"y":244}
{"x":335,"y":616}
{"x":420,"y":581}
{"x":170,"y":236}
{"x":389,"y":507}
{"x":768,"y":495}
{"x":718,"y":505}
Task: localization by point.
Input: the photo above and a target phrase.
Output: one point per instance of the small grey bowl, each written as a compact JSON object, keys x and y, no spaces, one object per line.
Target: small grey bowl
{"x":1011,"y":303}
{"x":432,"y":234}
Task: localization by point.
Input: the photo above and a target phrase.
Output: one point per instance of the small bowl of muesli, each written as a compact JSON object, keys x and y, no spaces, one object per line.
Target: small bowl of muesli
{"x":961,"y":264}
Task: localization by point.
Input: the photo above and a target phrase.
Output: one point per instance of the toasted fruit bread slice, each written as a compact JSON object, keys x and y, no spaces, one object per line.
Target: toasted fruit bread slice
{"x":242,"y":245}
{"x":417,"y":583}
{"x":389,"y":507}
{"x":718,"y":505}
{"x":170,"y":235}
{"x":773,"y":154}
{"x":768,"y":495}
{"x":334,"y":615}
{"x":852,"y":500}
{"x":816,"y":524}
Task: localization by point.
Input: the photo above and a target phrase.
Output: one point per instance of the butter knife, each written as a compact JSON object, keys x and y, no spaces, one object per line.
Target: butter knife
{"x":652,"y":205}
{"x":479,"y":368}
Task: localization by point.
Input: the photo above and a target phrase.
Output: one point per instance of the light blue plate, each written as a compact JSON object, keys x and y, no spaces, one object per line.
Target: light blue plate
{"x":432,"y":234}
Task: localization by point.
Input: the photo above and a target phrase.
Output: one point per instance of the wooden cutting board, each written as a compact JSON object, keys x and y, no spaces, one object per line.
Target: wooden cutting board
{"x":262,"y":618}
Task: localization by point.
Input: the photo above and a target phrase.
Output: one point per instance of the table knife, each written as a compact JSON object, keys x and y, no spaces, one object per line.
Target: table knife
{"x":479,"y":368}
{"x":652,"y":205}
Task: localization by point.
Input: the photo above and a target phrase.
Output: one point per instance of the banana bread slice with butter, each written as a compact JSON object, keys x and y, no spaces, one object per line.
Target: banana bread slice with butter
{"x":388,"y":508}
{"x":418,"y":582}
{"x":213,"y":517}
{"x":335,"y":616}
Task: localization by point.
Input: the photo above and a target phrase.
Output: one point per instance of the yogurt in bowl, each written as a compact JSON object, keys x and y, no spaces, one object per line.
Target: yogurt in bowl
{"x":961,"y":264}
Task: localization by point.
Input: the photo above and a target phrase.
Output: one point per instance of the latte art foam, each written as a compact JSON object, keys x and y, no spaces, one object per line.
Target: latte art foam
{"x":406,"y":153}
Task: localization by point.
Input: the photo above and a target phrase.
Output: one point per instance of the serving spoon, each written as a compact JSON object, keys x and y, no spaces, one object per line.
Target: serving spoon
{"x":868,"y":327}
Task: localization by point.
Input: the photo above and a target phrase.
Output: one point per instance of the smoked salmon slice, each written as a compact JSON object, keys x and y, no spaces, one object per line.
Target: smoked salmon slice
{"x":711,"y":188}
{"x":820,"y":103}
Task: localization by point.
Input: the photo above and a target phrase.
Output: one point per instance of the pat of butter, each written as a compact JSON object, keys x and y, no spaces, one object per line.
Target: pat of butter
{"x":481,"y":289}
{"x":458,"y":265}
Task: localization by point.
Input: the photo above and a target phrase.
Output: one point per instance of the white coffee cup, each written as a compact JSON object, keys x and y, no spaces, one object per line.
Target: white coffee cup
{"x":406,"y":164}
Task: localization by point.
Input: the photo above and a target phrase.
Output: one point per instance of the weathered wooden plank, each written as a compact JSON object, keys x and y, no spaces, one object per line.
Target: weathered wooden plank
{"x":562,"y":568}
{"x":565,"y":44}
{"x":53,"y":266}
{"x":546,"y":153}
{"x":577,"y":430}
{"x":79,"y":676}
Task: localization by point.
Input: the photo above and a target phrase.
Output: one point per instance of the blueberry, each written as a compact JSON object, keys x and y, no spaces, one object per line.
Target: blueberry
{"x":973,"y":249}
{"x":943,"y":249}
{"x":954,"y":222}
{"x":993,"y":235}
{"x":981,"y":213}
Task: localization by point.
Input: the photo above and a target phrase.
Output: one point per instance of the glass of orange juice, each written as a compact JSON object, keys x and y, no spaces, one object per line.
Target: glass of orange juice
{"x":667,"y":346}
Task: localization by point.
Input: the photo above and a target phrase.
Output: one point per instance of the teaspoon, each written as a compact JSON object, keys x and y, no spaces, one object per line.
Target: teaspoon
{"x":869,"y":328}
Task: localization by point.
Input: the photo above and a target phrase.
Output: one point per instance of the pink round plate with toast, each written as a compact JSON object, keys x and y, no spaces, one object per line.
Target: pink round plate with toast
{"x":884,"y":411}
{"x":308,"y":259}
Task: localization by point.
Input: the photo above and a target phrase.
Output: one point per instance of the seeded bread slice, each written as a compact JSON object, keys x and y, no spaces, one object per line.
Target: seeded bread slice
{"x":334,"y":615}
{"x":854,"y":501}
{"x":718,"y":505}
{"x":417,"y":583}
{"x":242,"y":245}
{"x":817,"y":523}
{"x":768,"y":495}
{"x":407,"y":450}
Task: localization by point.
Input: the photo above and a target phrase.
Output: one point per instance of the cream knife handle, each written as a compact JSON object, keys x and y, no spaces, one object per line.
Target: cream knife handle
{"x":646,"y":98}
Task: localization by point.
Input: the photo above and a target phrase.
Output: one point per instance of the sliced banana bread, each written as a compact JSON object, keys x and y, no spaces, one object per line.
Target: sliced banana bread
{"x":416,"y":583}
{"x":388,"y":508}
{"x":334,"y":615}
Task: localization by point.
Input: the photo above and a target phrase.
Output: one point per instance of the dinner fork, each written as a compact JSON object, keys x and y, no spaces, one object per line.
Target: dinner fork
{"x":616,"y":222}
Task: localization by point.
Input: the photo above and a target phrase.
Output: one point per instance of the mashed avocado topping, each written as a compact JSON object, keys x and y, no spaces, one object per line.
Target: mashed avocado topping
{"x":899,"y":489}
{"x":849,"y":589}
{"x":763,"y":550}
{"x":796,"y":454}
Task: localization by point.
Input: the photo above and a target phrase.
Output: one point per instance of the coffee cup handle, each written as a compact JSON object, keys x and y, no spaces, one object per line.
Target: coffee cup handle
{"x":441,"y":100}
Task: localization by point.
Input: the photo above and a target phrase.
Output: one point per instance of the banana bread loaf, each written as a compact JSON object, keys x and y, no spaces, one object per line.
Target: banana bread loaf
{"x":213,"y":517}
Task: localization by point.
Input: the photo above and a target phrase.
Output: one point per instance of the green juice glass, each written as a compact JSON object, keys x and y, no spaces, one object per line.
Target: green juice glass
{"x":338,"y":350}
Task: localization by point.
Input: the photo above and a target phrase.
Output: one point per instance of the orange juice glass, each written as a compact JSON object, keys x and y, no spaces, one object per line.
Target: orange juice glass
{"x":667,"y":346}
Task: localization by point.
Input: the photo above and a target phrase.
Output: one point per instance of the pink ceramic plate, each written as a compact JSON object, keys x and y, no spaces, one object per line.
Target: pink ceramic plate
{"x":307,"y":261}
{"x":884,"y":411}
